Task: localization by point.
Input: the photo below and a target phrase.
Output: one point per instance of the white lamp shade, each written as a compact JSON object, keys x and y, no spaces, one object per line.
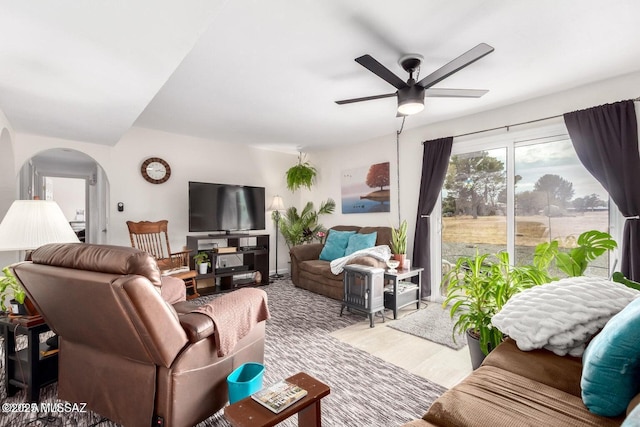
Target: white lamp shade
{"x":30,"y":224}
{"x":276,"y":204}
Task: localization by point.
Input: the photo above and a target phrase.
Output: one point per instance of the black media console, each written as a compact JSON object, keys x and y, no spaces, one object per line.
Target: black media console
{"x":250,"y":250}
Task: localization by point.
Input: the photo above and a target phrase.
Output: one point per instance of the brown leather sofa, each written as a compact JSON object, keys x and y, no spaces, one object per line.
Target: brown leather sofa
{"x":124,"y":351}
{"x":311,"y":273}
{"x":517,"y":388}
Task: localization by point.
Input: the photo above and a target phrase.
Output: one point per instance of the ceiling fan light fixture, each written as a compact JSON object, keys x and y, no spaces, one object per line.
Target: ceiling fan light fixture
{"x":410,"y":100}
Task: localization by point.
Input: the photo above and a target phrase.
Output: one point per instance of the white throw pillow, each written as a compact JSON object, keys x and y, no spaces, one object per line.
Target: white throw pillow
{"x":562,"y":316}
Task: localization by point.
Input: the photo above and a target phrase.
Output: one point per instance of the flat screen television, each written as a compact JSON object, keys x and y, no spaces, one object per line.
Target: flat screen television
{"x":225,"y":207}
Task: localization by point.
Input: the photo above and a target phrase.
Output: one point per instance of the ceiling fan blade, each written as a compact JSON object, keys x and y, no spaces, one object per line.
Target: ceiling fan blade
{"x":457,"y":64}
{"x":366,"y":98}
{"x":368,"y":62}
{"x":455,"y":93}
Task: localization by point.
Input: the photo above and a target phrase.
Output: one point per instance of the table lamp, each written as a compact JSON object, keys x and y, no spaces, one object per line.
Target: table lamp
{"x":30,"y":224}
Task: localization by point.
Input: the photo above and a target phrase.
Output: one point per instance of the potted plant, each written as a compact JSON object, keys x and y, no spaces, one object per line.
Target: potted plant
{"x":479,"y":286}
{"x":399,"y":243}
{"x":301,"y":175}
{"x":201,"y":259}
{"x":302,"y":227}
{"x":12,"y":290}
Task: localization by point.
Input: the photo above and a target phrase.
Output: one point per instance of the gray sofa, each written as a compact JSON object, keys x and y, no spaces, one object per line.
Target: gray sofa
{"x":311,"y":273}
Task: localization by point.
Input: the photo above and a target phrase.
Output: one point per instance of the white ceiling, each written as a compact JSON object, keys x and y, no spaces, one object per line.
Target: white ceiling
{"x":267,"y":72}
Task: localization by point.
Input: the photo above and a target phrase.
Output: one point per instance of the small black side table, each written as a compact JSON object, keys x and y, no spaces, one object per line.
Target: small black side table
{"x":397,"y":294}
{"x":32,"y":367}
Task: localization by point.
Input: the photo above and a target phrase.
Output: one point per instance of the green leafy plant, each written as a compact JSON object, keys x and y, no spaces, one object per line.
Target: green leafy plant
{"x":202,"y":258}
{"x":399,"y":239}
{"x":479,"y":286}
{"x":10,"y":289}
{"x":591,"y":245}
{"x":301,"y":175}
{"x":619,"y":277}
{"x":302,"y":227}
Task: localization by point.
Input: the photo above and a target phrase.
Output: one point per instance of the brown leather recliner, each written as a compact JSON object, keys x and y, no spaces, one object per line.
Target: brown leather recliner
{"x":125,"y":351}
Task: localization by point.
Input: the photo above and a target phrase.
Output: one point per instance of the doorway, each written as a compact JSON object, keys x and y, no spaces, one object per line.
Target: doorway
{"x":71,"y":195}
{"x":77,"y":183}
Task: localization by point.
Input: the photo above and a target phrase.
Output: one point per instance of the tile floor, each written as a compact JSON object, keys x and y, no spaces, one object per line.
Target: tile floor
{"x":435,"y":362}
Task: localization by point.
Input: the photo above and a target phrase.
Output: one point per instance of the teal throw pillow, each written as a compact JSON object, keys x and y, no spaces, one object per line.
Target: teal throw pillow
{"x":360,"y":241}
{"x":611,"y":364}
{"x":335,"y":245}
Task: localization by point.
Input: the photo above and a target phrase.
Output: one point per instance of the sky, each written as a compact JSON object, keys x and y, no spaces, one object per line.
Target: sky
{"x":555,"y":158}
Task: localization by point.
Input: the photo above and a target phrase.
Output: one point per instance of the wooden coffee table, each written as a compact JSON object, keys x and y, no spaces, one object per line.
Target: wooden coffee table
{"x":249,"y":413}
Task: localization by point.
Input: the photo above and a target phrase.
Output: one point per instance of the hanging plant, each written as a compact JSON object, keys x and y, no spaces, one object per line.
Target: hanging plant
{"x":302,"y":174}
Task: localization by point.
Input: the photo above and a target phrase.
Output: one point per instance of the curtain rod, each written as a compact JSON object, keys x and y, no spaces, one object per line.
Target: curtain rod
{"x":516,"y":124}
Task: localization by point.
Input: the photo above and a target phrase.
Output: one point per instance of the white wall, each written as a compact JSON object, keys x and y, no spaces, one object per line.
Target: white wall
{"x":69,"y":194}
{"x":191,"y":159}
{"x":331,"y":164}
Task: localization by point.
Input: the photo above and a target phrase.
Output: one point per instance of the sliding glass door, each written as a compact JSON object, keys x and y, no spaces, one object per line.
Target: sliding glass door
{"x":556,"y":199}
{"x":515,"y":194}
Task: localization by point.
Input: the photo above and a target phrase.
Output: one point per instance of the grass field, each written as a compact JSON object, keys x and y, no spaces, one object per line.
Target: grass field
{"x":463,"y":235}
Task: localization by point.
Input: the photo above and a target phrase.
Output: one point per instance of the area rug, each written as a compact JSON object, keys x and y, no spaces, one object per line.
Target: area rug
{"x":432,"y":323}
{"x":365,"y":390}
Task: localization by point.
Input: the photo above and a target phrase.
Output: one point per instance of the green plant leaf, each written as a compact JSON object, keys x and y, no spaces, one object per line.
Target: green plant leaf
{"x":399,"y":239}
{"x":567,"y":264}
{"x":544,"y":254}
{"x":595,"y":243}
{"x":10,"y":288}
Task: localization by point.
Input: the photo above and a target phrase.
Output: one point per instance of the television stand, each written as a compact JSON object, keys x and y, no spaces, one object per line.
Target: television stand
{"x":253,"y":256}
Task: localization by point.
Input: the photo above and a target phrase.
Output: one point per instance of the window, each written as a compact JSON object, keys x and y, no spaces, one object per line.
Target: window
{"x":512,"y":195}
{"x":474,"y":204}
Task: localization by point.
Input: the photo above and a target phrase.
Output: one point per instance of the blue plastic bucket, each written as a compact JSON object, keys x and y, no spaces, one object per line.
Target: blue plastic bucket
{"x":244,"y":381}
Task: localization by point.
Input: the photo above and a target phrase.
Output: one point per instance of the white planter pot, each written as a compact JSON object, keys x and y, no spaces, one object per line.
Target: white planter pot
{"x":202,"y":268}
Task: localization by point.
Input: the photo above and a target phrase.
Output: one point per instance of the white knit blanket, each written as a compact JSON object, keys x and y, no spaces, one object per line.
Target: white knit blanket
{"x":381,"y":252}
{"x":562,"y":316}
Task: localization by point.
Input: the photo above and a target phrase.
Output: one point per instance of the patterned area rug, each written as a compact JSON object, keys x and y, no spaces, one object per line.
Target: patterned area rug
{"x":432,"y":323}
{"x":365,"y":390}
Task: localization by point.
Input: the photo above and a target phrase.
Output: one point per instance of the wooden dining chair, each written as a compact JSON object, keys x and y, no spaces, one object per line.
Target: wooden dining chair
{"x":152,"y":237}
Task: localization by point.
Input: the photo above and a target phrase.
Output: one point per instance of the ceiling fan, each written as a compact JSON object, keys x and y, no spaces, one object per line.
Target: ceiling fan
{"x":411,"y":94}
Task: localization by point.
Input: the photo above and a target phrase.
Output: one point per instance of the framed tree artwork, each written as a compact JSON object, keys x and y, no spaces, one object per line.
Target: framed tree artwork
{"x":366,"y":189}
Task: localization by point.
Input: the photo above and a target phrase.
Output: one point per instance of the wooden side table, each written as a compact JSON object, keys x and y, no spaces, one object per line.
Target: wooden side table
{"x":249,"y":413}
{"x":27,"y":368}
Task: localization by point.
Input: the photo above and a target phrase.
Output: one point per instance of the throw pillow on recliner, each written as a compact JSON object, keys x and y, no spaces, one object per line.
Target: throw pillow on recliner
{"x":335,"y":245}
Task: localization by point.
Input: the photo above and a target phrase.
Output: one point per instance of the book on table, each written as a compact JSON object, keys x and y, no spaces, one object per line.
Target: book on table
{"x":279,"y":396}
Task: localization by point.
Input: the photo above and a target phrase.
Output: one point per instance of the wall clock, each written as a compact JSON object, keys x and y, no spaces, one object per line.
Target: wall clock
{"x":155,"y":170}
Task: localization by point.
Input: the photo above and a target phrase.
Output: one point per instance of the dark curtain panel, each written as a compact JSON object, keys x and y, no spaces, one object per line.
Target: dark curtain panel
{"x":435,"y":161}
{"x":606,"y":141}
